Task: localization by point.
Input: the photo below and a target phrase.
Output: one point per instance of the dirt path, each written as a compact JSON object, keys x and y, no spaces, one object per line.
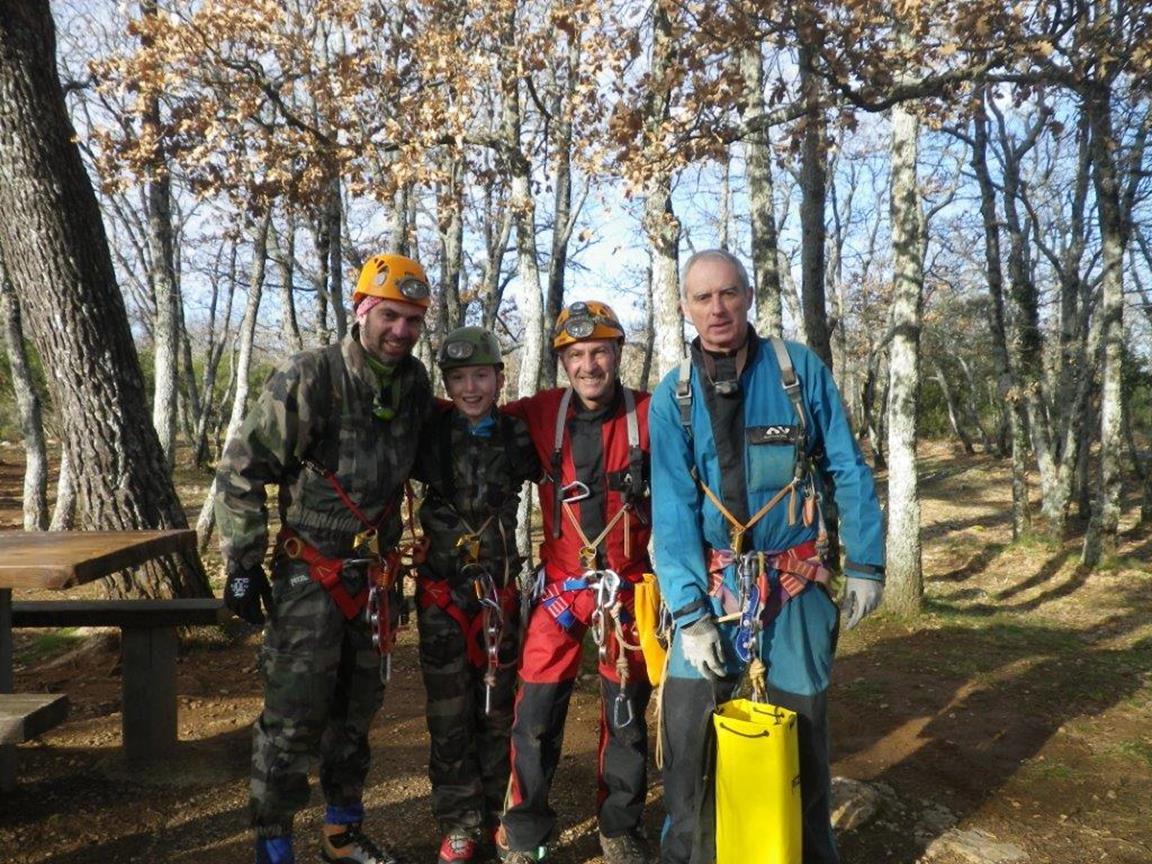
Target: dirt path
{"x":1019,"y":705}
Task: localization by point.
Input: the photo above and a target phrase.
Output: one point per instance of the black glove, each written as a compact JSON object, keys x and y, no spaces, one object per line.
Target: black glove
{"x":245,"y":588}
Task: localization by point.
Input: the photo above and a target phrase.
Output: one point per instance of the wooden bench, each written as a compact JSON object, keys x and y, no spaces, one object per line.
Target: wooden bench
{"x":24,"y":716}
{"x":148,"y":647}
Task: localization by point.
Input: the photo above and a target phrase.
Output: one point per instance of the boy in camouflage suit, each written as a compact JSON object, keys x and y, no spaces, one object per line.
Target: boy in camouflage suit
{"x":336,"y":429}
{"x":473,"y":462}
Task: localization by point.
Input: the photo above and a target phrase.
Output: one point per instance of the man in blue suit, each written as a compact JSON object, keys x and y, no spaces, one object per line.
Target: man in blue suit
{"x":747,"y":426}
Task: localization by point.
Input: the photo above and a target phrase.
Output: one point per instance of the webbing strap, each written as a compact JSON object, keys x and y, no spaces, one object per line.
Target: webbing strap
{"x":324,"y":570}
{"x":738,"y":528}
{"x":558,"y":458}
{"x":352,"y":506}
{"x":684,"y":393}
{"x":593,"y":545}
{"x":635,"y":459}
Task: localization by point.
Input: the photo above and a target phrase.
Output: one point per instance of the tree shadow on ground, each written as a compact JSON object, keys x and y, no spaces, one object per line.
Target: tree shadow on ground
{"x":952,"y":713}
{"x":982,"y":519}
{"x":979,"y":561}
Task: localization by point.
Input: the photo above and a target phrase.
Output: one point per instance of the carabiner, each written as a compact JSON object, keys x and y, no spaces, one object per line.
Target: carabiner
{"x":622,"y":700}
{"x":573,"y":492}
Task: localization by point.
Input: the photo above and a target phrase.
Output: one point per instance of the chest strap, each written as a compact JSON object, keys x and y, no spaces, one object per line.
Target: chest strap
{"x":634,"y":480}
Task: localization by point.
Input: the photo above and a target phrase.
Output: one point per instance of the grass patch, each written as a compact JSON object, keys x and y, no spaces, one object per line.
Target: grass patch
{"x":49,"y":643}
{"x":1139,"y":751}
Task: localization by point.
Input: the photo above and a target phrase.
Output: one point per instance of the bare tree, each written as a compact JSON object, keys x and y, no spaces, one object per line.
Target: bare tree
{"x":761,"y":194}
{"x":53,"y":232}
{"x":904,"y":574}
{"x":28,"y":406}
{"x":246,"y":337}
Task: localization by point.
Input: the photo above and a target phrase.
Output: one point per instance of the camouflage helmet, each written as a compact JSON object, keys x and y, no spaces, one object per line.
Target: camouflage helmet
{"x":582,"y":321}
{"x":470,"y":346}
{"x":393,"y":277}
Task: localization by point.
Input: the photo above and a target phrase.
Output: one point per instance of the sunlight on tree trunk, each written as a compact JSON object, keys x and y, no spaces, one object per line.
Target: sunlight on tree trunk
{"x":904,"y":574}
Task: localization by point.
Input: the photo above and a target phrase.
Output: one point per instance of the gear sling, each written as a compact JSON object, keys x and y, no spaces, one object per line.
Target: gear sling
{"x":757,"y":745}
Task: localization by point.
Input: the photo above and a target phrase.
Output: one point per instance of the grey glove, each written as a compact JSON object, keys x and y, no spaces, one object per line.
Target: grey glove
{"x":861,"y":597}
{"x":700,"y":642}
{"x":245,"y":589}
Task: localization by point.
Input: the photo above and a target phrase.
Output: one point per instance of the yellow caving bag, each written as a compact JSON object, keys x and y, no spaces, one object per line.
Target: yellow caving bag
{"x":757,"y":784}
{"x":647,"y":599}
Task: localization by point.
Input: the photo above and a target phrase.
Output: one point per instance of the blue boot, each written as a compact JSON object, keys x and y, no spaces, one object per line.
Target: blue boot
{"x":275,"y":850}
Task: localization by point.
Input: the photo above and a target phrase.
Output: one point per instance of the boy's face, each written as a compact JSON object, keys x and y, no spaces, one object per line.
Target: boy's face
{"x":473,"y":389}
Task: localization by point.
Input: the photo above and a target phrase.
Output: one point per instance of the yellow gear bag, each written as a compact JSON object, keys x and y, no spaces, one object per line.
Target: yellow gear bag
{"x":757,"y":784}
{"x":646,"y":594}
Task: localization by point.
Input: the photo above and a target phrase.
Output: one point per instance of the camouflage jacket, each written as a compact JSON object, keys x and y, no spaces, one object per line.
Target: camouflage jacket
{"x":472,"y":483}
{"x":316,"y":410}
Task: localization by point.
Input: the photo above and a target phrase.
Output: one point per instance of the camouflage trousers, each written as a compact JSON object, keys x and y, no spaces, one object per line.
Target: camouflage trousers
{"x":322,"y":688}
{"x":469,"y":759}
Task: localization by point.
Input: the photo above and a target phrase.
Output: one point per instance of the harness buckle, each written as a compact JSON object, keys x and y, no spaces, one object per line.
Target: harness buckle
{"x":369,"y":538}
{"x":587,"y":556}
{"x":470,"y":543}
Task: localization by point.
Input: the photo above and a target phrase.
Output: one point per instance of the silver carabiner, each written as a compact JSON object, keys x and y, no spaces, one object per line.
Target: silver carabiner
{"x":573,"y":492}
{"x":622,"y":700}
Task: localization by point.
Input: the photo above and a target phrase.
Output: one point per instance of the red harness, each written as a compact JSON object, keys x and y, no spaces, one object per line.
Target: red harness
{"x":435,"y":592}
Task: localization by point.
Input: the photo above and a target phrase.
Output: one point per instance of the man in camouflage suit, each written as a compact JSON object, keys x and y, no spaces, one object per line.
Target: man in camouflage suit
{"x":473,"y":462}
{"x":336,"y":429}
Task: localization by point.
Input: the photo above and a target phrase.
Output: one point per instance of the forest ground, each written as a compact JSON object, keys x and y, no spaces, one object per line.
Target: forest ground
{"x":1019,"y":704}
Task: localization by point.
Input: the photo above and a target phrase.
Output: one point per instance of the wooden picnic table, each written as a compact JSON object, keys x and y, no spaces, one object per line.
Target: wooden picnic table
{"x":63,"y":559}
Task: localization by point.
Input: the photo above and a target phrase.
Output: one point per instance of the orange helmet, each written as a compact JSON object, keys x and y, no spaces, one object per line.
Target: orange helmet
{"x":393,"y":277}
{"x":582,"y":321}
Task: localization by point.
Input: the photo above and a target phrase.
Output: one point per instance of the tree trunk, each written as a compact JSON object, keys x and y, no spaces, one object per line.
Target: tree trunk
{"x":903,"y":570}
{"x":334,"y":216}
{"x":761,"y":199}
{"x":530,"y":300}
{"x":972,"y":413}
{"x":450,"y":217}
{"x":649,"y":334}
{"x":563,"y":217}
{"x":953,"y":408}
{"x":247,"y":335}
{"x":64,"y":513}
{"x":52,"y":234}
{"x":165,"y":288}
{"x":1100,"y":538}
{"x":323,"y":242}
{"x":1006,"y":384}
{"x":660,"y":222}
{"x":216,"y":348}
{"x":286,"y":264}
{"x":28,"y":406}
{"x":813,"y":191}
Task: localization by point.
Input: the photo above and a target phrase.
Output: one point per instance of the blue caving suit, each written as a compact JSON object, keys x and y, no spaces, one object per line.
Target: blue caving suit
{"x":731,"y":447}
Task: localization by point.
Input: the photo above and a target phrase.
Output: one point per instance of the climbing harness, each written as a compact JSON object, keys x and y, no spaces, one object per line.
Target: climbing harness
{"x":564,"y":495}
{"x":803,"y":483}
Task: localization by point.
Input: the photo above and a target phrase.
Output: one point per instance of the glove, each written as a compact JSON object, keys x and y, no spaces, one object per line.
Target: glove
{"x":245,"y":588}
{"x":861,"y":597}
{"x":700,"y":642}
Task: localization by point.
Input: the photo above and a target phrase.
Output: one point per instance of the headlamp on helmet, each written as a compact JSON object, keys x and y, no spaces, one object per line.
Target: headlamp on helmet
{"x":470,"y":346}
{"x":393,"y":277}
{"x":586,"y":320}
